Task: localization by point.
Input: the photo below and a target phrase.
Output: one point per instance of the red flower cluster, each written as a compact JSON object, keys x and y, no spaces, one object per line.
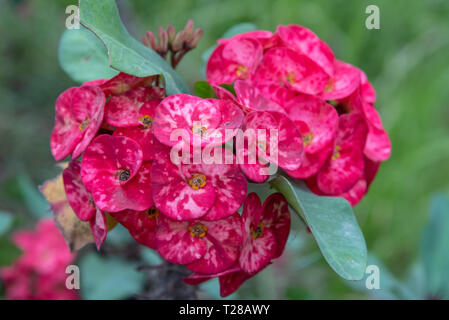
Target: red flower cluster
{"x":39,"y":274}
{"x":291,"y":79}
{"x":317,"y":112}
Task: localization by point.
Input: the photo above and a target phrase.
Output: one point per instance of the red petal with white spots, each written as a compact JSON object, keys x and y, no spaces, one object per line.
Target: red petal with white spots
{"x":229,"y":183}
{"x":276,"y":217}
{"x":78,"y":197}
{"x":345,"y":81}
{"x":233,"y":60}
{"x":230,"y":282}
{"x":141,"y":225}
{"x":143,"y":136}
{"x":311,"y":163}
{"x":256,"y":254}
{"x":378,"y":144}
{"x":346,"y":165}
{"x":266,"y":38}
{"x":175,"y":243}
{"x":289,"y":69}
{"x":124,"y":110}
{"x":223,"y":239}
{"x":79,"y":113}
{"x":317,"y":121}
{"x":112,"y":171}
{"x":251,"y":99}
{"x":99,"y":229}
{"x":289,"y":143}
{"x":173,"y":195}
{"x":124,"y":82}
{"x":200,"y":120}
{"x":255,"y":169}
{"x":306,"y":42}
{"x":356,"y":193}
{"x":367,"y":90}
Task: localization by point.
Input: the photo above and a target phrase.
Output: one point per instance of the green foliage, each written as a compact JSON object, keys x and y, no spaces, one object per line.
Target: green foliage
{"x":126,"y":54}
{"x":204,"y":90}
{"x":83,"y":56}
{"x":333,"y":225}
{"x":109,"y":278}
{"x":5,"y":222}
{"x":8,"y":251}
{"x":434,"y":248}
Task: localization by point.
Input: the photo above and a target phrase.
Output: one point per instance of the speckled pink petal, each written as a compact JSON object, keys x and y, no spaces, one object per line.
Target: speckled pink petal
{"x":289,"y":69}
{"x":78,"y":197}
{"x":345,"y":80}
{"x":356,"y":193}
{"x":182,"y":111}
{"x":371,"y":168}
{"x":175,"y":243}
{"x":223,"y":238}
{"x":256,"y":254}
{"x":99,"y":229}
{"x":306,"y":42}
{"x":235,"y":59}
{"x":124,"y":110}
{"x":78,"y":112}
{"x":367,"y":90}
{"x":346,"y":165}
{"x":256,"y":172}
{"x":103,"y":161}
{"x":266,"y":38}
{"x":88,"y":107}
{"x":230,"y":282}
{"x":378,"y":144}
{"x":173,"y":195}
{"x":289,"y":146}
{"x":229,"y":184}
{"x":276,"y":217}
{"x":311,"y":163}
{"x":136,"y":194}
{"x":317,"y":121}
{"x":143,"y":136}
{"x":141,"y":225}
{"x":124,"y":82}
{"x":251,"y":99}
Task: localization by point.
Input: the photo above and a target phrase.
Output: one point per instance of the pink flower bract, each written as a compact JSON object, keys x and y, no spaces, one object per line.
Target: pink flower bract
{"x":113,"y":172}
{"x":79,"y":114}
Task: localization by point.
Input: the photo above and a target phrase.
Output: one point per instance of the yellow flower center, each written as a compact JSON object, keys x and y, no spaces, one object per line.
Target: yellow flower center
{"x":242,"y":72}
{"x":146,"y":121}
{"x":124,"y":174}
{"x":258,"y":231}
{"x":290,"y":78}
{"x":198,"y":230}
{"x":199,"y":130}
{"x":307,"y":139}
{"x":197,"y":181}
{"x":83,"y":125}
{"x":153,"y":213}
{"x":336,"y":153}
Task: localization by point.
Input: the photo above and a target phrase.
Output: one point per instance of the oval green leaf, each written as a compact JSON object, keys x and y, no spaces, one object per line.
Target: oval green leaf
{"x":125,"y":53}
{"x":83,"y":56}
{"x":333,"y":224}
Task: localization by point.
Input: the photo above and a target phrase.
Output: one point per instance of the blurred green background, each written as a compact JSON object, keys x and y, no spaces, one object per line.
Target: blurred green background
{"x":407,"y":61}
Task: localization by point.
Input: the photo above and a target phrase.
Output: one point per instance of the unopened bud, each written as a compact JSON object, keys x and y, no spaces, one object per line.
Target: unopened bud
{"x":171,"y":32}
{"x":197,"y":34}
{"x":178,"y":42}
{"x":189,"y":27}
{"x":149,"y":40}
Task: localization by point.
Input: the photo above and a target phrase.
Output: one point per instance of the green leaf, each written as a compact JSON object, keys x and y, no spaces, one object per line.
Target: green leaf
{"x":125,"y":53}
{"x":8,"y":252}
{"x":333,"y":224}
{"x":434,"y":247}
{"x":204,"y":90}
{"x":83,"y":56}
{"x":109,"y":278}
{"x":237,"y":29}
{"x":5,"y":222}
{"x":34,"y":200}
